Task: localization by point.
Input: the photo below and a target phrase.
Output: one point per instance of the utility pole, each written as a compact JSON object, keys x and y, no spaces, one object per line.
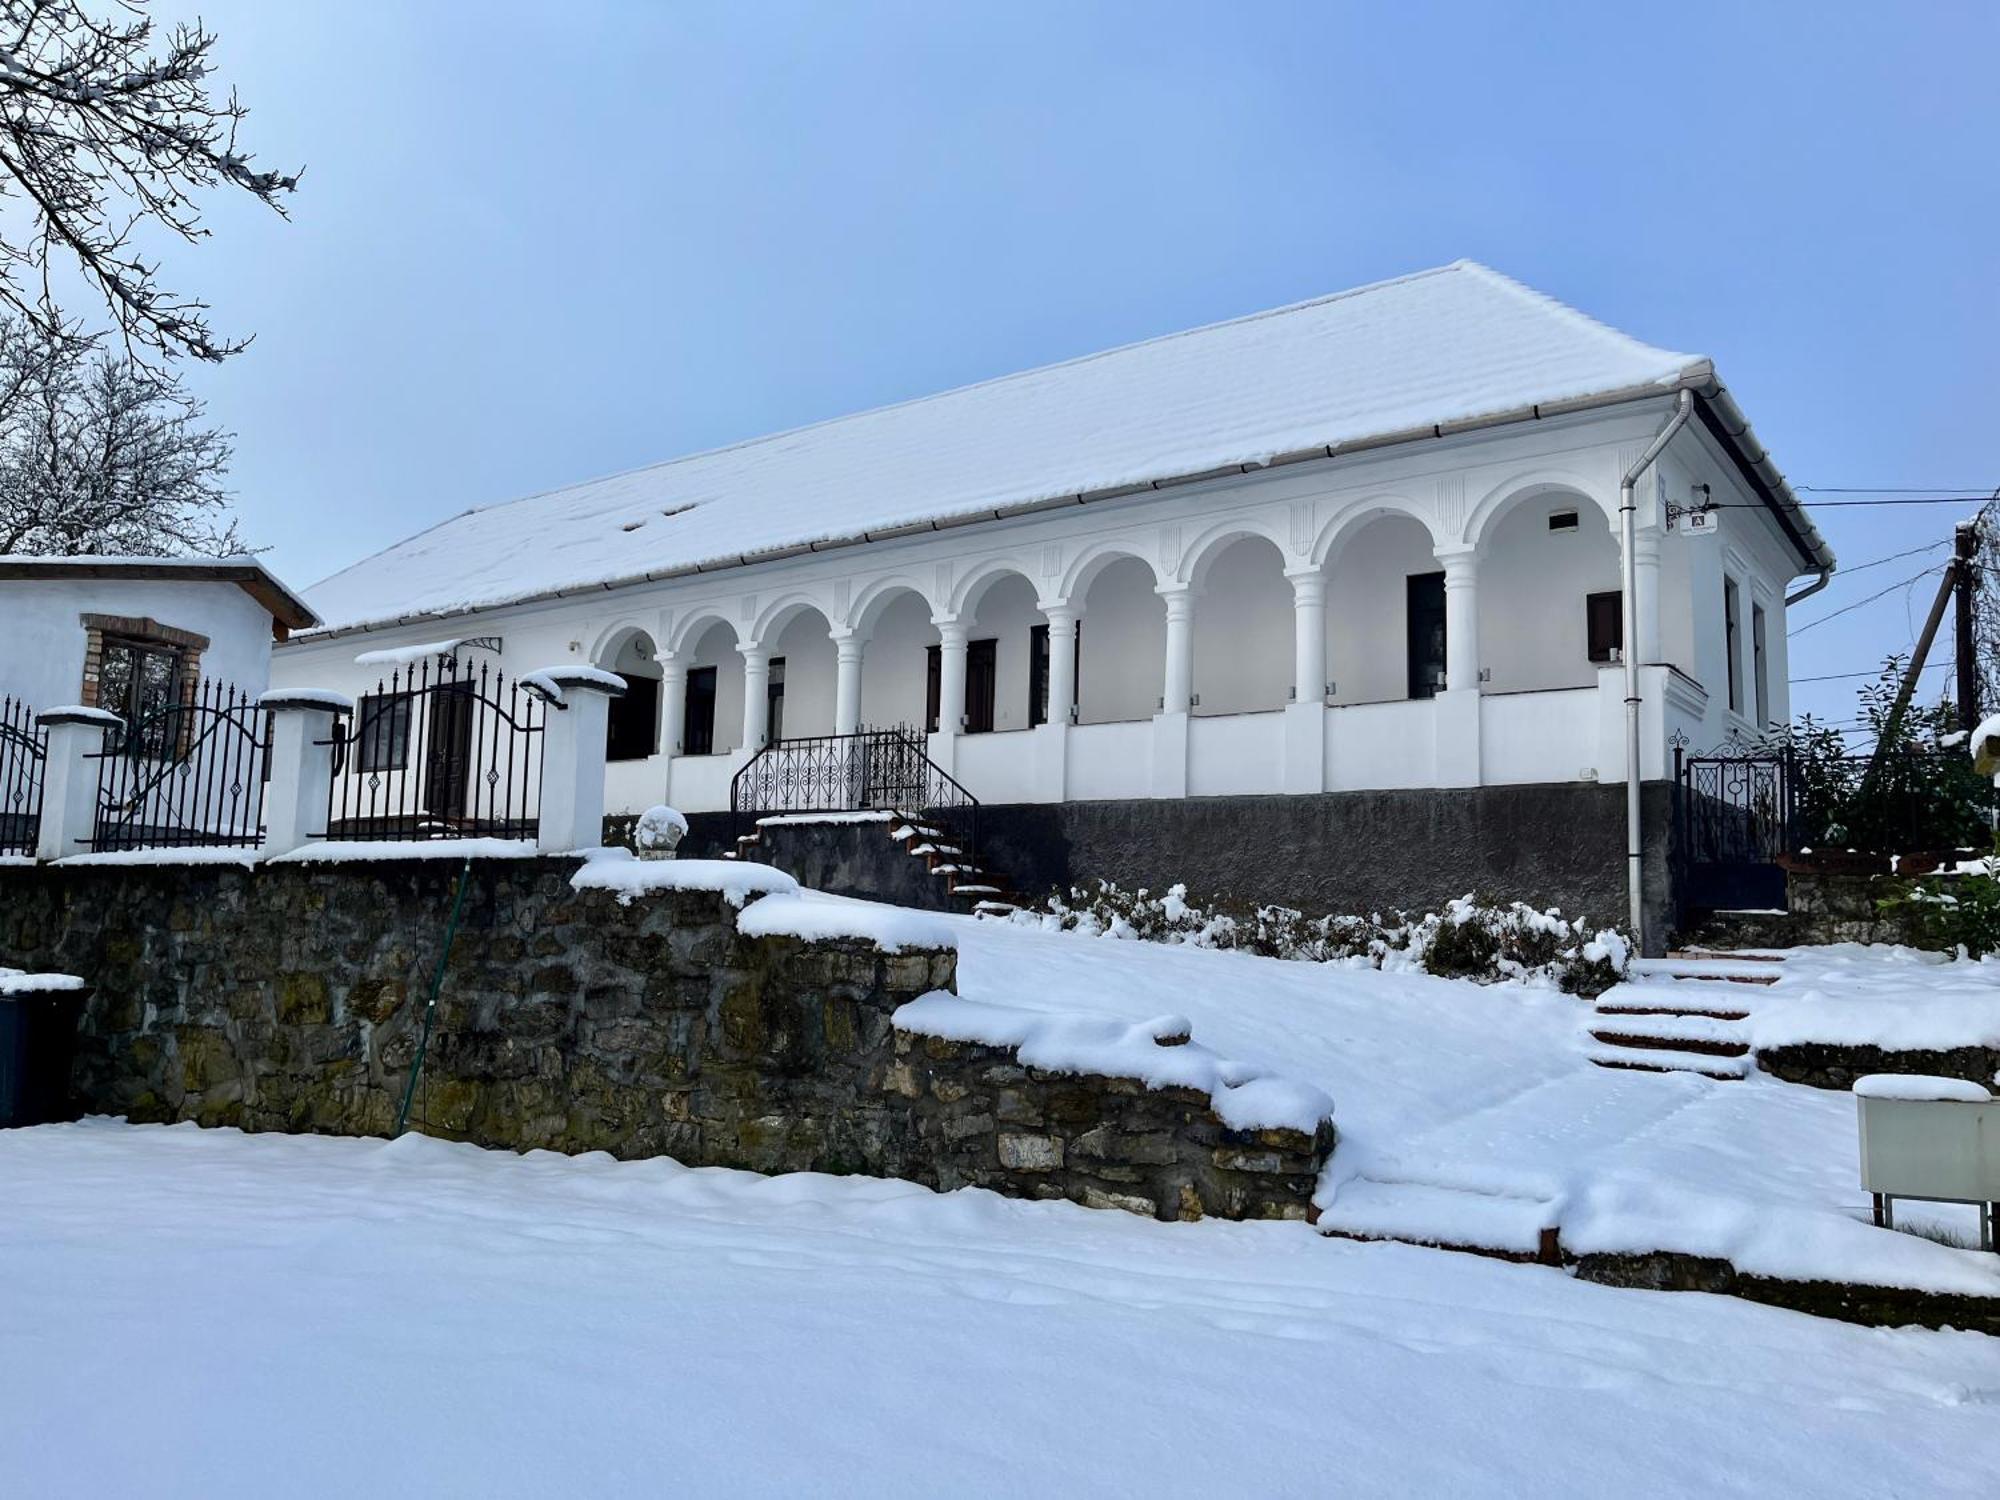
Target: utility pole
{"x":1965,"y":570}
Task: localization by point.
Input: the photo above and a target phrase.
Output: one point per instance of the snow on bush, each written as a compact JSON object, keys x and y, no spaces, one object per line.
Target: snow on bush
{"x":1483,"y":941}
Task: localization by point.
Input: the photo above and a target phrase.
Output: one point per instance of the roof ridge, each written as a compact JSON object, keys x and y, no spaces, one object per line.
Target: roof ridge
{"x":971,"y":385}
{"x":1574,"y":314}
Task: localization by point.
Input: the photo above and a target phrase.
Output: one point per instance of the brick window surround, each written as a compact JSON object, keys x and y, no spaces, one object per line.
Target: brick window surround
{"x":138,"y":628}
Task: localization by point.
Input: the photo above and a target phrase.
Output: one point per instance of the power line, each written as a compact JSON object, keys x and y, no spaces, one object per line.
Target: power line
{"x":1835,"y":504}
{"x":1844,"y":609}
{"x":1892,"y":557}
{"x":1887,"y":489}
{"x":1929,"y":666}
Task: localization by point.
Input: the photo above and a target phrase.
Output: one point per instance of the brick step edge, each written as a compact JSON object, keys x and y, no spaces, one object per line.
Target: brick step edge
{"x":1703,"y":1046}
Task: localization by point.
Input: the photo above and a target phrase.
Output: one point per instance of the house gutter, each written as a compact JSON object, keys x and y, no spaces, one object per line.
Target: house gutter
{"x":1731,"y":429}
{"x":1629,"y":562}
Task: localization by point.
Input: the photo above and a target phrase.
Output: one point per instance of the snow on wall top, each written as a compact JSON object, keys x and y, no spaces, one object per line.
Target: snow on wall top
{"x":1440,"y":346}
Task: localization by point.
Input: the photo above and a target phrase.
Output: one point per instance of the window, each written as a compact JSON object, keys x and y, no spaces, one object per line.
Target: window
{"x":933,"y":687}
{"x":1563,"y":520}
{"x":1604,"y":623}
{"x":385,"y":732}
{"x":1424,"y":614}
{"x":141,"y":681}
{"x":632,"y":727}
{"x":982,"y":676}
{"x":698,"y":724}
{"x":1732,"y":643}
{"x":1759,"y":677}
{"x":774,"y":702}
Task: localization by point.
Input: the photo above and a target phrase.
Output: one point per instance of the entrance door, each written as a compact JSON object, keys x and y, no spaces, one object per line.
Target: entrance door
{"x":1426,"y":644}
{"x":774,"y":701}
{"x":982,"y":674}
{"x":698,"y":722}
{"x":448,"y":756}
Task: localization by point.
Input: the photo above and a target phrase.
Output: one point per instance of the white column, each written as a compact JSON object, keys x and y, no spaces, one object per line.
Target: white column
{"x":69,"y":779}
{"x":1305,"y":715}
{"x":1062,"y":663}
{"x":1179,"y":692}
{"x":572,"y":810}
{"x":295,"y":799}
{"x":1461,"y":619}
{"x":673,"y":704}
{"x":952,"y":635}
{"x":1456,"y":709}
{"x":847,"y":682}
{"x":1308,"y":636}
{"x":756,"y":698}
{"x":1646,"y":594}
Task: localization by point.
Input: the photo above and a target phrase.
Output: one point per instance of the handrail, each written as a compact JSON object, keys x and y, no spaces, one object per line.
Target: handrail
{"x":821,"y":773}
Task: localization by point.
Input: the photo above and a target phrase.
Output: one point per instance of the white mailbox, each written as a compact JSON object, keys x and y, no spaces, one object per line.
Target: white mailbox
{"x":1932,"y":1138}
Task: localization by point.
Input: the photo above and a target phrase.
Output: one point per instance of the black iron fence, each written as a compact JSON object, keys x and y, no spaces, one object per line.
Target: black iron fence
{"x":874,"y":770}
{"x":23,"y":754}
{"x":187,"y":773}
{"x":439,"y":750}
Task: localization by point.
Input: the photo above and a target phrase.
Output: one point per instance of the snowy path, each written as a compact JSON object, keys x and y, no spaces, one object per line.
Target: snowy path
{"x":1445,"y":1084}
{"x":205,"y":1313}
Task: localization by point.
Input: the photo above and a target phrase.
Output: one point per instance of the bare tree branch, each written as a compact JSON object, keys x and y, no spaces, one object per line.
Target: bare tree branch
{"x":102,"y":136}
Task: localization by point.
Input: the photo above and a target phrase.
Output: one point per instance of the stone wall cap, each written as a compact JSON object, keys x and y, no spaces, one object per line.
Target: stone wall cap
{"x":77,"y":713}
{"x":283,"y":700}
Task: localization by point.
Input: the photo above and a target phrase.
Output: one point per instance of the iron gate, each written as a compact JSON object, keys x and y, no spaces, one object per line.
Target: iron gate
{"x":1733,"y":817}
{"x":23,"y":752}
{"x":186,"y":773}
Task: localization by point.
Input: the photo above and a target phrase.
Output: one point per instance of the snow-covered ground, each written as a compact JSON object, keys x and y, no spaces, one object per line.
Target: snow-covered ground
{"x":189,"y":1312}
{"x":1473,"y":1115}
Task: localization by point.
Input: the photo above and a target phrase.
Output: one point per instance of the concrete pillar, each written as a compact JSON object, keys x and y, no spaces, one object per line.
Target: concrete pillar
{"x":296,"y":797}
{"x":1646,"y":594}
{"x":1062,"y":663}
{"x":673,"y":706}
{"x":952,"y":634}
{"x":1308,"y":636}
{"x":1456,"y":709}
{"x":847,"y":682}
{"x":756,"y":698}
{"x":69,"y":779}
{"x":1178,"y":696}
{"x":572,"y":810}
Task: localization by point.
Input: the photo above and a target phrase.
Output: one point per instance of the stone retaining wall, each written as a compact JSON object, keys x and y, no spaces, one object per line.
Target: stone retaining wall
{"x":1831,"y":1065}
{"x":290,"y":997}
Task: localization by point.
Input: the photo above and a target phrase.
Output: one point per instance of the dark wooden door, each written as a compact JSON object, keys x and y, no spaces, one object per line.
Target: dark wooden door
{"x":982,"y":674}
{"x":1426,"y":622}
{"x":698,"y":723}
{"x":448,"y":752}
{"x":933,"y":687}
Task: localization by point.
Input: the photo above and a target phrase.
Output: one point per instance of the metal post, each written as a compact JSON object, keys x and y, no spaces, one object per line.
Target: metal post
{"x":1965,"y":564}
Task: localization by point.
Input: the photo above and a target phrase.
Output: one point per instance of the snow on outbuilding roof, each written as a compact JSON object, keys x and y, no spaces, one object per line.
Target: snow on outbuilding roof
{"x":288,"y":612}
{"x":1441,"y":348}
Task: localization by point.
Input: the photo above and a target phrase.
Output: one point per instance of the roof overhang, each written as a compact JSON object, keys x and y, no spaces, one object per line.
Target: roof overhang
{"x":1719,"y":411}
{"x":287,"y":610}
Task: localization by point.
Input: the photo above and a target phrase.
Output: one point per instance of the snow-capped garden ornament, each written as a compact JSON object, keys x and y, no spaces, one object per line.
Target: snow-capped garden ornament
{"x":1986,"y":748}
{"x":659,"y":832}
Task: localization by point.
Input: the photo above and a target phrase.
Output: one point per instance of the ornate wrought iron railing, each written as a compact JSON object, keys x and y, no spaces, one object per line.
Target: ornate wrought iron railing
{"x":439,"y":750}
{"x":23,"y":753}
{"x":874,"y":770}
{"x":185,"y":774}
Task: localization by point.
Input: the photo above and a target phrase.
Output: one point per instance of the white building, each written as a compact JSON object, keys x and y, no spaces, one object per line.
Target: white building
{"x":132,"y":634}
{"x":1323,"y":591}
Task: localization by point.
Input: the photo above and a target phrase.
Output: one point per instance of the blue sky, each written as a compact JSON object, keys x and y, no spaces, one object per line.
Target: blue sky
{"x":540,"y":243}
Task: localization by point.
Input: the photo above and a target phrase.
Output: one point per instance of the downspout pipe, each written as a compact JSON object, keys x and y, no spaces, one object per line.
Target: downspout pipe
{"x":1628,"y":526}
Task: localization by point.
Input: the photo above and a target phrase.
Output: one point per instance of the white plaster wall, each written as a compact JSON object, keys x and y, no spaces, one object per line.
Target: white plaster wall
{"x":1006,"y":614}
{"x":1239,"y":753}
{"x":1243,"y":632}
{"x":42,"y":635}
{"x":1370,"y":746}
{"x":811,"y":667}
{"x":998,"y":767}
{"x":1122,"y":670}
{"x":1533,"y":631}
{"x":1367,"y":609}
{"x":1111,"y":760}
{"x":894,"y":664}
{"x":1539,"y":736}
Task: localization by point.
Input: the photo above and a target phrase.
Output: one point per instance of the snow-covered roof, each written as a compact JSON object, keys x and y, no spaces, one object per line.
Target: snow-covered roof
{"x":243,"y":570}
{"x":1441,"y":348}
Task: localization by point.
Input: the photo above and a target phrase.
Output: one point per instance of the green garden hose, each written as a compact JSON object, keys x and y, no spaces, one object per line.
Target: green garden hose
{"x":431,"y":1005}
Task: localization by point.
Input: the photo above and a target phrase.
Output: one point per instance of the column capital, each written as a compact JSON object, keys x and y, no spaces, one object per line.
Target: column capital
{"x":848,"y":644}
{"x":756,"y":654}
{"x":952,"y":631}
{"x":1460,"y":563}
{"x":1060,"y":613}
{"x":1180,"y":599}
{"x":1308,"y":585}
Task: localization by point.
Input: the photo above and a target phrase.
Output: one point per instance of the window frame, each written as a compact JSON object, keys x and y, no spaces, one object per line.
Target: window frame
{"x":369,"y":752}
{"x":1732,"y":641}
{"x":1608,"y":646}
{"x":638,"y":704}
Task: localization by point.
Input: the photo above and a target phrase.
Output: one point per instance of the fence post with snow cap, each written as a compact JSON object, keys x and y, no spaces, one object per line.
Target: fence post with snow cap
{"x":301,"y":786}
{"x":579,"y":700}
{"x":69,"y":778}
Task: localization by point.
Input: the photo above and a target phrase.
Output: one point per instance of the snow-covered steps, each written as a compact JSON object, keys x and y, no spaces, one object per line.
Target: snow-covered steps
{"x":1717,"y":968}
{"x":1443,"y":1218}
{"x":1710,"y":1035}
{"x":1651,"y":1059}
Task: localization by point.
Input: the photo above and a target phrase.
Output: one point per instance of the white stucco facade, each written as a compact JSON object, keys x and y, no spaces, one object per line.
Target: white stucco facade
{"x":1242,"y":634}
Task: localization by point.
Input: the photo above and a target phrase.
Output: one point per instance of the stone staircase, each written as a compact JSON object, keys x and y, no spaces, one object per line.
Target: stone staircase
{"x":1685,"y":1013}
{"x":946,"y":878}
{"x":971,"y":886}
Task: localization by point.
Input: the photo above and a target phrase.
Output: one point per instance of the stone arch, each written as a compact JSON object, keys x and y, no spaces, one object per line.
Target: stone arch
{"x":687,"y":631}
{"x":1353,"y":519}
{"x":985,"y":575}
{"x":611,"y":640}
{"x":1533,"y":484}
{"x":1539,"y":590}
{"x":878,"y":595}
{"x":1212,"y":543}
{"x":1243,"y":641}
{"x":1093,"y":560}
{"x":777,"y":616}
